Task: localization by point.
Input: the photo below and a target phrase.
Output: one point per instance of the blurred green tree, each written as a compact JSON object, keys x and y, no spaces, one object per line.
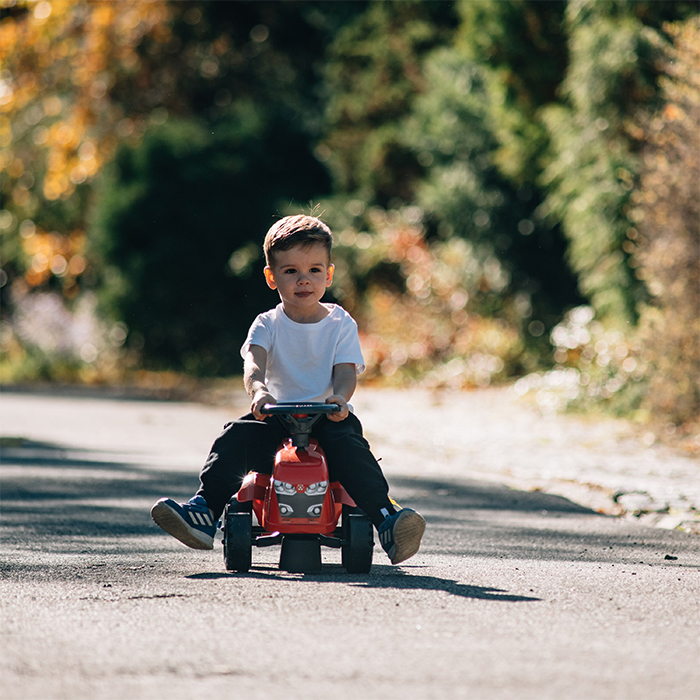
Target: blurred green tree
{"x":373,"y":76}
{"x":638,"y":353}
{"x":665,"y":242}
{"x":614,"y":49}
{"x":477,"y":133}
{"x":521,"y":49}
{"x":471,"y":144}
{"x":179,"y":229}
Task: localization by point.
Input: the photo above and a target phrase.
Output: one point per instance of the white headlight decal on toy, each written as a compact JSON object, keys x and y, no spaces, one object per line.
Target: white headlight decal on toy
{"x":318,"y":489}
{"x":286,"y":511}
{"x":284,"y":489}
{"x":289,"y":504}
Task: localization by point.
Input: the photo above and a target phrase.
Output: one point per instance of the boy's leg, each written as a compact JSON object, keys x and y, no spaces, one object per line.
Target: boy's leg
{"x":244,"y":445}
{"x":351,"y":462}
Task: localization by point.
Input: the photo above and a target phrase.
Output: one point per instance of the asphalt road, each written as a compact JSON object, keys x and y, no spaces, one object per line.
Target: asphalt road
{"x":514,"y":594}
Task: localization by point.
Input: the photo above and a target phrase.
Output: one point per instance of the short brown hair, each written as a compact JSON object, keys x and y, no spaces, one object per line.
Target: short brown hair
{"x":296,"y":230}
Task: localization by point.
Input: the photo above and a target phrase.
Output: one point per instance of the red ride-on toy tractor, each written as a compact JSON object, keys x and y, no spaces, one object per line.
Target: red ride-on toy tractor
{"x":296,"y":507}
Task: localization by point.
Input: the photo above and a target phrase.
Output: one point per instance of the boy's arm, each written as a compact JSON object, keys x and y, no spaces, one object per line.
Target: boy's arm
{"x":254,"y":366}
{"x":344,"y":383}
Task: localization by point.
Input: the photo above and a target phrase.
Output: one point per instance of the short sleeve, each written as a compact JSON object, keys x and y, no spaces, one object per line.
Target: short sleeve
{"x":348,"y":349}
{"x":258,"y":334}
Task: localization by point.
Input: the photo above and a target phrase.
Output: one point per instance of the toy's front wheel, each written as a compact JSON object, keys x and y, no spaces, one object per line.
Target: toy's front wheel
{"x":358,"y":542}
{"x":238,"y":541}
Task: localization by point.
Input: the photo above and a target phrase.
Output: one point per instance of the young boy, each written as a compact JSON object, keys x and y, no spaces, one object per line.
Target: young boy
{"x":300,"y":351}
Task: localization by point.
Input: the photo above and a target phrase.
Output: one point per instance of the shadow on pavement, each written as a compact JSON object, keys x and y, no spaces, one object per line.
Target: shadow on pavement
{"x":67,"y":498}
{"x":403,"y":580}
{"x":381,"y":576}
{"x":50,"y":491}
{"x":429,"y":494}
{"x":476,"y":519}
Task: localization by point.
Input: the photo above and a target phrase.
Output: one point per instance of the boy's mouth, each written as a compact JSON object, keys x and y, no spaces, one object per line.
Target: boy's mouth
{"x":303,"y":295}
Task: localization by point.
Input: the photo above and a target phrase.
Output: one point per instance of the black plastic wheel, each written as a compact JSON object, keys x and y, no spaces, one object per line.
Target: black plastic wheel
{"x":358,"y":542}
{"x":238,"y":541}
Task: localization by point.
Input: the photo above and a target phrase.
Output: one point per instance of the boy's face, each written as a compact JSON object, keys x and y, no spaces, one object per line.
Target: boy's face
{"x":301,"y":276}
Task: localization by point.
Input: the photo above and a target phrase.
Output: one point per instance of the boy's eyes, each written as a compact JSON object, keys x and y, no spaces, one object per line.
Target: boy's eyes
{"x":293,"y":270}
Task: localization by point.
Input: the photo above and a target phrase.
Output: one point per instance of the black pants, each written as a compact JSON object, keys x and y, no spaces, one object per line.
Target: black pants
{"x":250,"y":445}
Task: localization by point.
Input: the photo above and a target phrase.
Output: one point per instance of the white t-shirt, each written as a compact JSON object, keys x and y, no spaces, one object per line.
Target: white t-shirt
{"x":301,"y":356}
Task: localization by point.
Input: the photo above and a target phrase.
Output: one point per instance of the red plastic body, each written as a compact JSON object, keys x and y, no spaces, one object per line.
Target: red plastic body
{"x":298,"y":497}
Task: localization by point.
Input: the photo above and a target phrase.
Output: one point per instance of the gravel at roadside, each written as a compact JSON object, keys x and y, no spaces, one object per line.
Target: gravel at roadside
{"x":605,"y":465}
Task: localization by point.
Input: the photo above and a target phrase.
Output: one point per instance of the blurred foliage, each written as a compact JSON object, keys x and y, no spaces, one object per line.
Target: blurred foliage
{"x":46,"y":341}
{"x":80,"y":78}
{"x":665,"y":243}
{"x":650,"y":371}
{"x":373,"y":76}
{"x":457,"y":127}
{"x":596,"y":367}
{"x":504,"y":178}
{"x":464,"y":193}
{"x":614,"y":52}
{"x":174,"y":228}
{"x":426,"y":307}
{"x":58,"y":126}
{"x":521,"y":50}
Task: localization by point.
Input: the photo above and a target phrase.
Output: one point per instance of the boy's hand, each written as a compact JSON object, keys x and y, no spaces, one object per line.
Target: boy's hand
{"x":342,"y":414}
{"x":260,"y":398}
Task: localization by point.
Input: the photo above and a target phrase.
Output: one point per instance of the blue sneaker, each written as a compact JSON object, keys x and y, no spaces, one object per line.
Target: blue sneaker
{"x":191,"y":523}
{"x":401,"y":533}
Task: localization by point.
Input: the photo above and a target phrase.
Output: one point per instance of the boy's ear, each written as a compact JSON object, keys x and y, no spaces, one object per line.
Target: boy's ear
{"x":329,"y":274}
{"x":269,"y":277}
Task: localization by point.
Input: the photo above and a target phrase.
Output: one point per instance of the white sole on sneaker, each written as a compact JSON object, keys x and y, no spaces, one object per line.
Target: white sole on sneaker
{"x":169,"y":520}
{"x":408,"y":532}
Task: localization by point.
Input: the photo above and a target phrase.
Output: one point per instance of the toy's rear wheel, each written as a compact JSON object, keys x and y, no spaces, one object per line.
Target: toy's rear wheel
{"x":301,"y":554}
{"x":238,"y":540}
{"x":358,"y":542}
